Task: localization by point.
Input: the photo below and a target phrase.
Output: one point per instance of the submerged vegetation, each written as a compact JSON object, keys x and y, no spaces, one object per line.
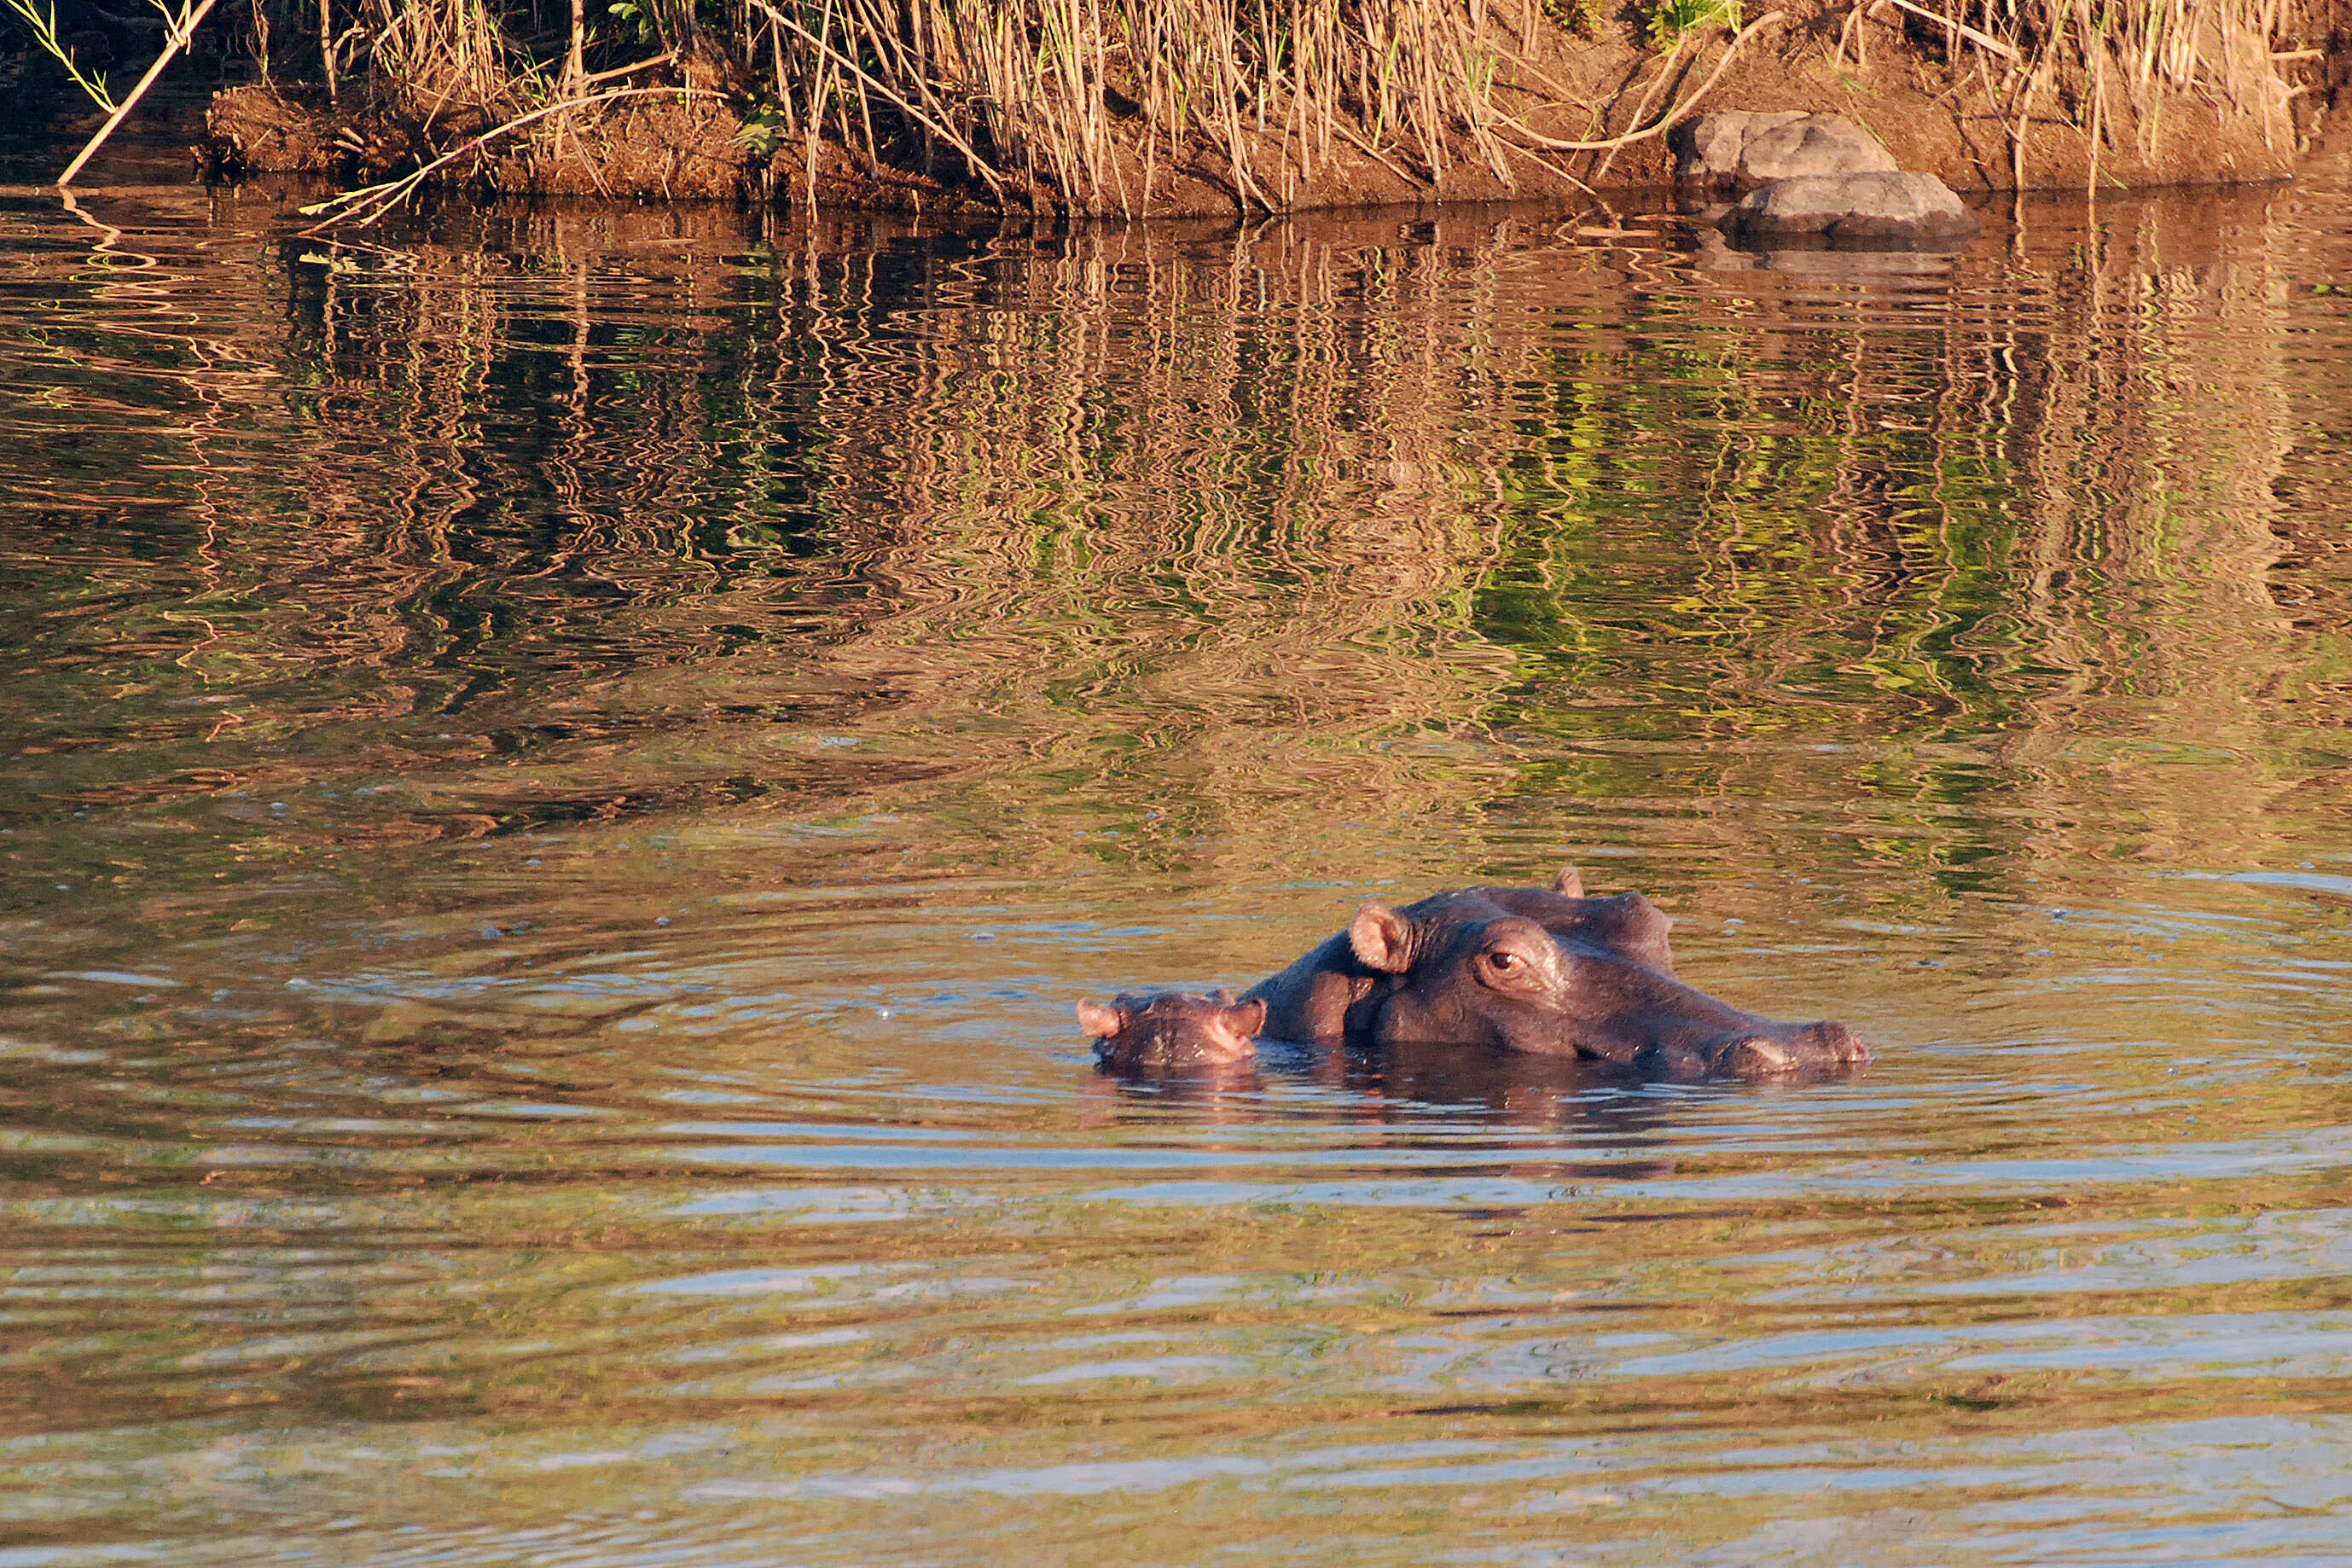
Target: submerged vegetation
{"x":1123,"y":105}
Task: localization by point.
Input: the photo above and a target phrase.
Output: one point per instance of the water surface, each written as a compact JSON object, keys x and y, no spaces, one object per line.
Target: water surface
{"x":561,"y":773}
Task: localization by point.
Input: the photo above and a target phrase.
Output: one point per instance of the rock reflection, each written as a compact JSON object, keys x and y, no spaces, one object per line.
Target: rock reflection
{"x":1924,"y":263}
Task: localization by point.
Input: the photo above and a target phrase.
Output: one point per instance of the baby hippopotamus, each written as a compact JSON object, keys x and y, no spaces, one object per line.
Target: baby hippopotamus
{"x":1170,"y":1029}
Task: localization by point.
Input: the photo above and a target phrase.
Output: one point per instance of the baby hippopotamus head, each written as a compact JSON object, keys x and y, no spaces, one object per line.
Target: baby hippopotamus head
{"x":1171,"y":1029}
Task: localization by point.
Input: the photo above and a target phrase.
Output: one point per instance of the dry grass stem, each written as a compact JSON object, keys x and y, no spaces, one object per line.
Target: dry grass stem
{"x":180,"y":28}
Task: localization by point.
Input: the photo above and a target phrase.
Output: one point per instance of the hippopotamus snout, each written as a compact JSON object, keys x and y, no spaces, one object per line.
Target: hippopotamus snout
{"x":1784,"y":1049}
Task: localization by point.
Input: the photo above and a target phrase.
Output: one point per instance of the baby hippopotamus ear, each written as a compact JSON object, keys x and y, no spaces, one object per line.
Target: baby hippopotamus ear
{"x":1568,"y":884}
{"x":1171,"y":1029}
{"x":1103,"y":1022}
{"x":1244,"y":1018}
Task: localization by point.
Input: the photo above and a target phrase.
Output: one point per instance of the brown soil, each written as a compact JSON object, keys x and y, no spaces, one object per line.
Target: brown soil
{"x":643,"y":147}
{"x":1878,"y":65}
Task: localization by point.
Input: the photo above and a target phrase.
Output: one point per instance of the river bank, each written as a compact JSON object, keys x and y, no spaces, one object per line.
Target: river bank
{"x":1147,"y":109}
{"x":1410,"y":101}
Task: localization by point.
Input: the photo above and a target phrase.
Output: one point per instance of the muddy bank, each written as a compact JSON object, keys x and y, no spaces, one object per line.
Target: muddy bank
{"x":680,"y":147}
{"x":1584,"y":107}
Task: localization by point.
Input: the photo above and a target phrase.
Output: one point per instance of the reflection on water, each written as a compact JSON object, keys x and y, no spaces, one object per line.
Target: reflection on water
{"x":563,"y":771}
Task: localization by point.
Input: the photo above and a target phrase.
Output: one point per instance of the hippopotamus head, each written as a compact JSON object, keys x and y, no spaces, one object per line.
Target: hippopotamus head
{"x":1627,"y":924}
{"x":1171,"y":1029}
{"x":1589,"y":977}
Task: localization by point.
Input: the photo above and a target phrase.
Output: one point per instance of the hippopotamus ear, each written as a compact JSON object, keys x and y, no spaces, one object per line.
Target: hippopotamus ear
{"x":1099,"y":1020}
{"x":1246,"y":1017}
{"x":1382,"y":938}
{"x":1568,"y":884}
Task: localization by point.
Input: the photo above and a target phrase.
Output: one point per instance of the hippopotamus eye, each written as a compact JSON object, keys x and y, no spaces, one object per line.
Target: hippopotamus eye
{"x":1510,"y":968}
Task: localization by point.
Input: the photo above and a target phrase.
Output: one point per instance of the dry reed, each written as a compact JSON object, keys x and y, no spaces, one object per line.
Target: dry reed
{"x":1088,"y":104}
{"x":439,"y":52}
{"x":2123,"y":60}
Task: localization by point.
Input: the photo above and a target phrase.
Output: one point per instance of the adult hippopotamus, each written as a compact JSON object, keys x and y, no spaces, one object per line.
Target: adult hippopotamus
{"x":1541,"y":970}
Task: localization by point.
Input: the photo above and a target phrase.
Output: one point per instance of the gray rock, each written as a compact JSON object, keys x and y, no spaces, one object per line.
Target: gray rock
{"x":1746,"y":148}
{"x":1877,"y":206}
{"x":1816,"y":144}
{"x":1708,"y":149}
